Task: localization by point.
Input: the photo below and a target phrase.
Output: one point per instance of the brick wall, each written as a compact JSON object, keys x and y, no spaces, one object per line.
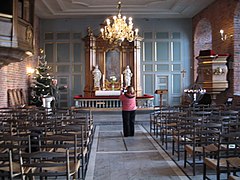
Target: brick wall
{"x":12,"y":76}
{"x":236,"y":64}
{"x":222,"y":15}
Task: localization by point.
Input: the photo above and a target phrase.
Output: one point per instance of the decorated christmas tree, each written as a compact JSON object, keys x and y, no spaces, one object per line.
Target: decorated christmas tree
{"x":42,"y":81}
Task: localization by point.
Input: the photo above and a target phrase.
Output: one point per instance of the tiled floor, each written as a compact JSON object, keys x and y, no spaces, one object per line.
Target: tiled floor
{"x":114,"y":157}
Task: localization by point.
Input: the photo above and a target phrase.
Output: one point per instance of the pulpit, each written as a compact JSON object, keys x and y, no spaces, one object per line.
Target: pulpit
{"x":212,"y":72}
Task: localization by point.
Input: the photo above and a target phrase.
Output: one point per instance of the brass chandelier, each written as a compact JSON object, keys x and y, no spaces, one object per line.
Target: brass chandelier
{"x":116,"y":29}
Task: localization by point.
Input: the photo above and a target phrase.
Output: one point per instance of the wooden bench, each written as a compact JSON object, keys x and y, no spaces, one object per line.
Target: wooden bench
{"x":16,"y":97}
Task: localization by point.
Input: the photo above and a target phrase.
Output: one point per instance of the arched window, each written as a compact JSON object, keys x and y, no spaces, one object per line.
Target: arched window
{"x":202,"y":40}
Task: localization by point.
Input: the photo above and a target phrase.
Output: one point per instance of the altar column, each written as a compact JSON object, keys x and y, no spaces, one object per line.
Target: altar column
{"x":90,"y":62}
{"x":137,"y":66}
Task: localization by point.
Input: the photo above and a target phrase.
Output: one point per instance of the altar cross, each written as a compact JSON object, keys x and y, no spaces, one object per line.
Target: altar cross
{"x":183,"y":72}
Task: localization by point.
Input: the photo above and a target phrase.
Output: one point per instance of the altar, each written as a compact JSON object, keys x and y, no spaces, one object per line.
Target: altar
{"x":109,"y":68}
{"x":107,"y":93}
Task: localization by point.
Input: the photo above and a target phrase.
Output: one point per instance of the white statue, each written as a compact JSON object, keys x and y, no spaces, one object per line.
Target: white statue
{"x":97,"y":75}
{"x":127,"y":76}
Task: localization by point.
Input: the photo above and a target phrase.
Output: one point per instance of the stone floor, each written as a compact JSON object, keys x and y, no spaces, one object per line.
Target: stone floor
{"x":114,"y":157}
{"x":142,"y":157}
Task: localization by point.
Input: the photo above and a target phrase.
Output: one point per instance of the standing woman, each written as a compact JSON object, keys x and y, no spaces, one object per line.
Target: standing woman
{"x":128,"y":111}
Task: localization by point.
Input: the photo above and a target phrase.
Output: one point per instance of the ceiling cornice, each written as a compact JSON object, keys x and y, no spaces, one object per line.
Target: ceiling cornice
{"x":135,"y":8}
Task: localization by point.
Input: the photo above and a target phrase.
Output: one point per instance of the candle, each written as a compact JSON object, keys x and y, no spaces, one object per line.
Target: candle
{"x":121,"y":80}
{"x":103,"y":79}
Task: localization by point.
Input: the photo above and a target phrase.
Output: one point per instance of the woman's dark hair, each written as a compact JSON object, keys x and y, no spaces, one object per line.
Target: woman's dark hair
{"x":130,"y":90}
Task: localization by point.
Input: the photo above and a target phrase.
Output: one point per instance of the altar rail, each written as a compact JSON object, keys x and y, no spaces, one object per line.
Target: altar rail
{"x":111,"y":102}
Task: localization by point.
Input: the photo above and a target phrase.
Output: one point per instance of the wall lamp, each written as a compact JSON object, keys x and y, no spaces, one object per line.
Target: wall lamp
{"x":224,"y":36}
{"x":30,"y":71}
{"x":29,"y":53}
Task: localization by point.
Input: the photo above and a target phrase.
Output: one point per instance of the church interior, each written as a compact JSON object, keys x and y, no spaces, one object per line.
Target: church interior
{"x":65,"y":63}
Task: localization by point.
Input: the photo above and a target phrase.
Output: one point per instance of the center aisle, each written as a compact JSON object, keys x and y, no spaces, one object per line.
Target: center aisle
{"x":115,"y":157}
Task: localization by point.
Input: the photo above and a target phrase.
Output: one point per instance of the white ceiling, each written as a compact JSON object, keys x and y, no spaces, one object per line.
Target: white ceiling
{"x":134,"y":8}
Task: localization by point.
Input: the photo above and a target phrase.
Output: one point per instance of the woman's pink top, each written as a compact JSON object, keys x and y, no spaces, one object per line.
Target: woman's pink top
{"x":128,"y":102}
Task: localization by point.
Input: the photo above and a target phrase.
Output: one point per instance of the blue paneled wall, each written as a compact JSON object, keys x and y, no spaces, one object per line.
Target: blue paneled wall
{"x":163,"y":58}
